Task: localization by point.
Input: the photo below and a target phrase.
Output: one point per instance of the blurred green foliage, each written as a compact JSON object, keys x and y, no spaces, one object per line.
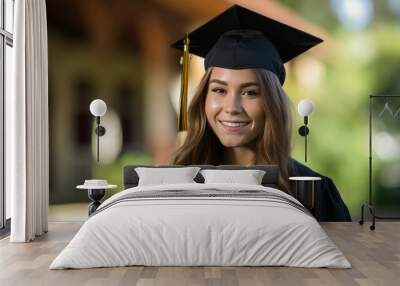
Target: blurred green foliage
{"x":362,"y":63}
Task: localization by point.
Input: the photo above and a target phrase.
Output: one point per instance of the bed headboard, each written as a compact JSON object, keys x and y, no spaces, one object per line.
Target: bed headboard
{"x":270,"y":178}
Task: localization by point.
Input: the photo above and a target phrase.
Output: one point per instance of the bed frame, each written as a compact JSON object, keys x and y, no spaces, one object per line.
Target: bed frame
{"x":270,"y":178}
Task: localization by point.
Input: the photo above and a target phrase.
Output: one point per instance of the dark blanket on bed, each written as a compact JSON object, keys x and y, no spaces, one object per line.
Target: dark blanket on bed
{"x":329,"y":205}
{"x":207,"y":193}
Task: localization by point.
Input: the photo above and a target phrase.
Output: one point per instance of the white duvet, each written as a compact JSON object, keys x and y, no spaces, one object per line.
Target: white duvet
{"x":200,"y":231}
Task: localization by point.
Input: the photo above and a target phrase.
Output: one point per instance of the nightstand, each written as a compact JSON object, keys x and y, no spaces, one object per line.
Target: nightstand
{"x":303,"y":189}
{"x":96,"y":190}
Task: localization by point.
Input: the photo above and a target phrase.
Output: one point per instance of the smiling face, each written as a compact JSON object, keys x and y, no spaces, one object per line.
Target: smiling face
{"x":234,"y":106}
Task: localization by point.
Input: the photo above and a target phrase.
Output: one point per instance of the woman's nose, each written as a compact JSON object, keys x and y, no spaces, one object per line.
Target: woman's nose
{"x":233,"y":104}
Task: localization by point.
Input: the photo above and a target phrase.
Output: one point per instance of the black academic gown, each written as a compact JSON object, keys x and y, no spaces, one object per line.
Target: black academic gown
{"x":329,"y":205}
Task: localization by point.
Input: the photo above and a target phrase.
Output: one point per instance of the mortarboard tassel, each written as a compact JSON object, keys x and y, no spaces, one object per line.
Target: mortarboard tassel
{"x":182,"y":119}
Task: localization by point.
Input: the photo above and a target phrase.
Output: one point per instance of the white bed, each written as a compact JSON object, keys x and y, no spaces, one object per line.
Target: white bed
{"x":269,"y":228}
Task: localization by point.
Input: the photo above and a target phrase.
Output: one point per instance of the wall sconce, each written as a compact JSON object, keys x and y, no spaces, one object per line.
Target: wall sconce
{"x":305,"y":108}
{"x":98,"y":108}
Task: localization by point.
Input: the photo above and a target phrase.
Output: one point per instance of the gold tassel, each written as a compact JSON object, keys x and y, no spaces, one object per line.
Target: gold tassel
{"x":182,"y":119}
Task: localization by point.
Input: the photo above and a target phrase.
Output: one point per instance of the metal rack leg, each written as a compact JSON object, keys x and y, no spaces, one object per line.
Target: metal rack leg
{"x":374,"y":216}
{"x":372,"y":227}
{"x":362,"y":215}
{"x":371,"y":209}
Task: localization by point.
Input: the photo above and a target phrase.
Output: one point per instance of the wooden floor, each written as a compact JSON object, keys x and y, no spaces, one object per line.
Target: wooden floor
{"x":374,"y":255}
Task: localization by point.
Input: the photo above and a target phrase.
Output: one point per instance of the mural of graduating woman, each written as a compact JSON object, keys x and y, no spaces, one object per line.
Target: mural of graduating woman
{"x":240,"y":113}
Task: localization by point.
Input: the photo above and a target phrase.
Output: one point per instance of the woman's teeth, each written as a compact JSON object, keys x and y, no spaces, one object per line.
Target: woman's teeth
{"x":233,"y":124}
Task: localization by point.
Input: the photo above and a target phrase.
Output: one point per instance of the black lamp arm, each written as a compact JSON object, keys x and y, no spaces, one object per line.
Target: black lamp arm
{"x":303,"y":131}
{"x":100,"y":131}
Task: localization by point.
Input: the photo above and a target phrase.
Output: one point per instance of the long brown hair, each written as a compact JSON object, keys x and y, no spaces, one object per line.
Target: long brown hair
{"x":202,"y":146}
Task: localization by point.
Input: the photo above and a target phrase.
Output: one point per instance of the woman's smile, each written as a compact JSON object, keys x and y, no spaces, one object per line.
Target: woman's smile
{"x":233,"y":126}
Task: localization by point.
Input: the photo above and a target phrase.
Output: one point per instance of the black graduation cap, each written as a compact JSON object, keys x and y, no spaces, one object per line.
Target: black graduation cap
{"x":240,"y":38}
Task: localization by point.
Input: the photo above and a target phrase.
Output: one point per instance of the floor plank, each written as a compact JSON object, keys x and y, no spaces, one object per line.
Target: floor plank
{"x":374,"y":255}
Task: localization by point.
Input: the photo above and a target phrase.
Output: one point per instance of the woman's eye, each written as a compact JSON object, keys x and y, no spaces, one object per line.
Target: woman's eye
{"x":218,"y":90}
{"x":250,"y":92}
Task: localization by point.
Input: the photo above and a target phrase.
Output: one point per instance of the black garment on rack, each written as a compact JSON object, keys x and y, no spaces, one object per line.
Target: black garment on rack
{"x":329,"y":205}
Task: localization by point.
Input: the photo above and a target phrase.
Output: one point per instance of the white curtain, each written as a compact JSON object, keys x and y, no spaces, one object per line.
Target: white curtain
{"x":27,"y":143}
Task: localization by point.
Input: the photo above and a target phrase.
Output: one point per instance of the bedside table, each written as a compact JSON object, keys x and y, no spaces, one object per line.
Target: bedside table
{"x":303,"y":189}
{"x":96,"y":190}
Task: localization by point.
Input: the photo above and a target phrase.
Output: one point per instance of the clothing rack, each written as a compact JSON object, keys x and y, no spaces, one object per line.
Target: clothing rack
{"x":370,"y":205}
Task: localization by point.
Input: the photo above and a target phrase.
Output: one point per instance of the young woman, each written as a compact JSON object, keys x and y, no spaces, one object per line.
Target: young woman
{"x":240,"y":113}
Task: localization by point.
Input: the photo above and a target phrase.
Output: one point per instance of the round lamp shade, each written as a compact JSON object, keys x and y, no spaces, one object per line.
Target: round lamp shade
{"x":305,"y":107}
{"x":98,"y":107}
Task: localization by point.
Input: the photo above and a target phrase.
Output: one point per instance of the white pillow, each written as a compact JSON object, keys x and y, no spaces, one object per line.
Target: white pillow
{"x":248,"y":177}
{"x":162,"y":176}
